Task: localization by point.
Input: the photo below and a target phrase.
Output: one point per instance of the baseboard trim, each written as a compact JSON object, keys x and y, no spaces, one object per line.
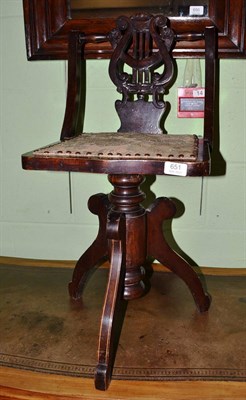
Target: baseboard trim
{"x":30,"y":262}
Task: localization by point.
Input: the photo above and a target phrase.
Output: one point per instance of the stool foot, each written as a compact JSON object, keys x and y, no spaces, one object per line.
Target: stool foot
{"x":97,"y":252}
{"x":164,"y":208}
{"x":112,"y":318}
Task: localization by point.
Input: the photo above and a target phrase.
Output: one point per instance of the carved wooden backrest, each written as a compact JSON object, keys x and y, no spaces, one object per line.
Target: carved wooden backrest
{"x":142,"y":45}
{"x":141,"y":67}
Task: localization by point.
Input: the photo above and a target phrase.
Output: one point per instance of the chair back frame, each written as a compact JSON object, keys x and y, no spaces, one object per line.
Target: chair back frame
{"x":144,"y":43}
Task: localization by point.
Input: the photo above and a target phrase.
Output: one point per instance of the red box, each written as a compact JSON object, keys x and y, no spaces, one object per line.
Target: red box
{"x":191,"y":101}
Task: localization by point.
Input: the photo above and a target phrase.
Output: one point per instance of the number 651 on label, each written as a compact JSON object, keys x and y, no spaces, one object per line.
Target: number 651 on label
{"x":172,"y":168}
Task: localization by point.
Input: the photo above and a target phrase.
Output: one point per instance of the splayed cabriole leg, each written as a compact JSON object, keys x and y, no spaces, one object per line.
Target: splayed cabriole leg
{"x":128,"y":235}
{"x":161,"y":209}
{"x":112,"y":318}
{"x":97,"y":252}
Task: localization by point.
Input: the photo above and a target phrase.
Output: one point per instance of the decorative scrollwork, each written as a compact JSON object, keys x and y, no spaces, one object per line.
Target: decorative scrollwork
{"x":143,"y":44}
{"x":114,"y":37}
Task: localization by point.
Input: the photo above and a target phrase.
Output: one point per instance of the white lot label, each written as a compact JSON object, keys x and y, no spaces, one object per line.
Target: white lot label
{"x":172,"y":168}
{"x":196,"y":10}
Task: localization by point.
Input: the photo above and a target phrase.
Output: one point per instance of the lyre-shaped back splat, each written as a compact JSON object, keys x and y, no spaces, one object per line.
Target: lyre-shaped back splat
{"x":142,"y":43}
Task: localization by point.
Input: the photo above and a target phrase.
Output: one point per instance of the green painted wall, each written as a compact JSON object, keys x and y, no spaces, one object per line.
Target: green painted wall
{"x":35,"y":218}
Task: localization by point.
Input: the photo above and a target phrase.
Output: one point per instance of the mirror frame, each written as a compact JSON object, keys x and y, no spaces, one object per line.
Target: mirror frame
{"x":48,"y":22}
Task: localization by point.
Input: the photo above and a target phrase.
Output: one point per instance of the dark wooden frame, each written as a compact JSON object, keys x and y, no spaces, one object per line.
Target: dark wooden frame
{"x":48,"y":22}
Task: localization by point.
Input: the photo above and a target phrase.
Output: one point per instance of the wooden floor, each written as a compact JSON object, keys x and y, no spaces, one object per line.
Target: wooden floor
{"x":19,"y":384}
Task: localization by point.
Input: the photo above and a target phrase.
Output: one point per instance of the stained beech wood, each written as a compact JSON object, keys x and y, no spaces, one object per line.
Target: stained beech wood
{"x":129,"y":235}
{"x":133,"y":235}
{"x":162,"y":209}
{"x":97,"y":253}
{"x":200,"y":167}
{"x":116,"y":235}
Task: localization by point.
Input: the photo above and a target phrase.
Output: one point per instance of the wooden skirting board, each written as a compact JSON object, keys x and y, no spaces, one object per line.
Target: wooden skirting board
{"x":23,"y":385}
{"x":30,"y":262}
